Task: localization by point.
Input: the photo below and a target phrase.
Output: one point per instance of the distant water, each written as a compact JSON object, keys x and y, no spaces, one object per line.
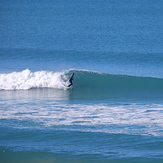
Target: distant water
{"x":113,"y":112}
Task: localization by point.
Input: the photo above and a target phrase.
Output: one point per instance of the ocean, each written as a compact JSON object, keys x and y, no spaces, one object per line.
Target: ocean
{"x":114,"y":110}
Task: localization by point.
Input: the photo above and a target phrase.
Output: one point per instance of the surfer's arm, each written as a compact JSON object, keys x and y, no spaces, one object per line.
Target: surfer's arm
{"x":71,"y":78}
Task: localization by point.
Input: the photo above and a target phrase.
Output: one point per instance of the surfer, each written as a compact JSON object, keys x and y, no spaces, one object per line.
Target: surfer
{"x":71,"y":80}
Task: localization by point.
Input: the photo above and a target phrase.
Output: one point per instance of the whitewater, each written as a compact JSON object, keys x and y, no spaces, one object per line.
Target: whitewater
{"x":27,"y":80}
{"x":85,"y":79}
{"x":112,"y":113}
{"x":114,"y":110}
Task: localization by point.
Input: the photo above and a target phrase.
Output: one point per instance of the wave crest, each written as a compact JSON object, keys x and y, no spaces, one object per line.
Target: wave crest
{"x":84,"y":80}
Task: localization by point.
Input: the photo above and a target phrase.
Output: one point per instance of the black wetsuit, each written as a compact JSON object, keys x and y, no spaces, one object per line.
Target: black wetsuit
{"x":71,"y":80}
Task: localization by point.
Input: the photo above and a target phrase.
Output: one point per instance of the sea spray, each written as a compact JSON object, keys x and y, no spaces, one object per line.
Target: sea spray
{"x":27,"y":80}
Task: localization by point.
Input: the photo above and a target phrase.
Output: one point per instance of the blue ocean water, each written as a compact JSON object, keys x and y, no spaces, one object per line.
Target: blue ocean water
{"x":113,"y":112}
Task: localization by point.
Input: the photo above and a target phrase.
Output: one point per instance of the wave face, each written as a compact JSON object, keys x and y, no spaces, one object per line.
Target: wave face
{"x":84,"y":80}
{"x":107,"y":82}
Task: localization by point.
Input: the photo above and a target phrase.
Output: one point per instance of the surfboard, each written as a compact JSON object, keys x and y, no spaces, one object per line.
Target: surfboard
{"x":70,"y":85}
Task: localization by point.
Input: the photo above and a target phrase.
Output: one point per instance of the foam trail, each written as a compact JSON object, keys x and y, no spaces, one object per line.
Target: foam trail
{"x":27,"y":80}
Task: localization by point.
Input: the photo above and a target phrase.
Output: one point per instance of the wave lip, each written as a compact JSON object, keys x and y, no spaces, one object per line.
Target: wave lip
{"x":27,"y":80}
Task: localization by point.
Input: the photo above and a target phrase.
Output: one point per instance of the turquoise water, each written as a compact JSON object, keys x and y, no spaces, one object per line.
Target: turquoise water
{"x":113,"y":112}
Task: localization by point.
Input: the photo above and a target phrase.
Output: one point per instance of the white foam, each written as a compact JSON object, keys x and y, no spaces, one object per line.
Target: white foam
{"x":133,"y":119}
{"x":27,"y":80}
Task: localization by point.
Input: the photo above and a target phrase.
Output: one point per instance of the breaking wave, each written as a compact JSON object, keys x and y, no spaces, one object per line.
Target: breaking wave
{"x":83,"y":80}
{"x":27,"y":80}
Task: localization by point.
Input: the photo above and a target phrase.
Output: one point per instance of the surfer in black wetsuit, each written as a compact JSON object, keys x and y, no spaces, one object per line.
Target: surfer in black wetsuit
{"x":71,"y":80}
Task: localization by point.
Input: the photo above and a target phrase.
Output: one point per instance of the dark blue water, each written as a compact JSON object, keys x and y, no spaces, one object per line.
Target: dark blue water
{"x":113,"y":112}
{"x":114,"y":26}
